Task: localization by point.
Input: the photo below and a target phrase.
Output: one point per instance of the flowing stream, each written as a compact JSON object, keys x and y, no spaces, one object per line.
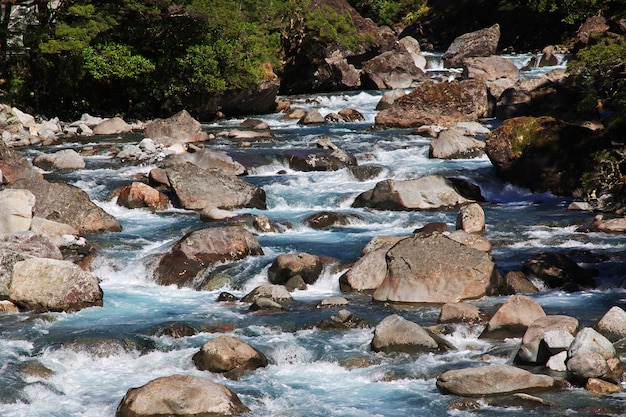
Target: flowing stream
{"x":97,"y":354}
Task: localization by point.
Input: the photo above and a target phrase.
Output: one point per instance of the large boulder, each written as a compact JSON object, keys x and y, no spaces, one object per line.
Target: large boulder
{"x":454,"y":144}
{"x":558,"y":270}
{"x":68,"y":204}
{"x":442,"y":104}
{"x":181,"y":127}
{"x":180,"y":395}
{"x":114,"y":126}
{"x":15,"y":247}
{"x":203,"y":248}
{"x":542,"y":154}
{"x":42,"y":284}
{"x":226,"y":354}
{"x":489,"y":68}
{"x":432,"y":192}
{"x":197,"y":188}
{"x":482,"y":42}
{"x":319,"y":159}
{"x":274,"y":292}
{"x":65,"y":159}
{"x":368,"y":272}
{"x":513,"y":318}
{"x":534,"y":349}
{"x":613,"y":324}
{"x":208,"y":159}
{"x":492,"y":380}
{"x":436,"y":269}
{"x":14,"y":166}
{"x":288,"y":265}
{"x":392,"y":69}
{"x":16,"y":210}
{"x":138,"y":195}
{"x":396,"y":334}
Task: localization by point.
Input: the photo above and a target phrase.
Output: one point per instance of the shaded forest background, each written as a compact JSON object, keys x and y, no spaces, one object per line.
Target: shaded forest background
{"x":150,"y":58}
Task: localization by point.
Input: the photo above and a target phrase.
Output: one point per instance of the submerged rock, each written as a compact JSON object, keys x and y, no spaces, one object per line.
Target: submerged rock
{"x":180,"y":395}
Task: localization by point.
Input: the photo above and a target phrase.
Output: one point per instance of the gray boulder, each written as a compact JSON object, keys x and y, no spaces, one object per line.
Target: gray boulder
{"x":114,"y":126}
{"x":588,"y":340}
{"x":203,"y":248}
{"x":435,"y":269}
{"x":588,"y":365}
{"x":181,"y":127}
{"x":277,"y":293}
{"x":319,"y":159}
{"x":14,"y":166}
{"x":513,"y":318}
{"x":226,"y":354}
{"x":67,"y":159}
{"x":286,"y":266}
{"x":180,"y":395}
{"x":482,"y":42}
{"x":16,"y":210}
{"x":396,"y":334}
{"x":197,"y":188}
{"x":15,"y":247}
{"x":389,"y":97}
{"x":534,"y":349}
{"x":392,"y":69}
{"x":368,"y":272}
{"x":454,"y":144}
{"x":492,"y":380}
{"x":40,"y":284}
{"x":432,"y":192}
{"x":208,"y":159}
{"x":68,"y":204}
{"x":613,"y":324}
{"x":489,"y":68}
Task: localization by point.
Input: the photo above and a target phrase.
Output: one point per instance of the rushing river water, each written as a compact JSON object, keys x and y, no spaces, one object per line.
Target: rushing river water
{"x":97,"y":354}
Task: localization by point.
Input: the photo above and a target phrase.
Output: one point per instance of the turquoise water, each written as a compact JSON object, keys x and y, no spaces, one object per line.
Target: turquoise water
{"x":97,"y":354}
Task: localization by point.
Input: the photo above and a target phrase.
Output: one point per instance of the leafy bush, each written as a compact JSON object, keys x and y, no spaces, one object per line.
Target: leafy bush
{"x":389,"y":12}
{"x":113,"y":60}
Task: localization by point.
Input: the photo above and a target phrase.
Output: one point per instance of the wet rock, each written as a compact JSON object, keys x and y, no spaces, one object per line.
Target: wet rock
{"x":175,"y":330}
{"x":67,"y":159}
{"x":114,"y":126}
{"x":326,"y":219}
{"x":140,"y":195}
{"x":277,"y":293}
{"x":365,"y":172}
{"x":307,"y":160}
{"x":256,"y":124}
{"x":202,"y":249}
{"x":396,"y":334}
{"x":601,"y":387}
{"x":516,"y":282}
{"x":181,"y":127}
{"x":197,"y":188}
{"x":343,"y":320}
{"x":432,"y":192}
{"x":613,"y":324}
{"x":513,"y":318}
{"x":512,"y":103}
{"x":534,"y":349}
{"x":210,"y":213}
{"x":453,"y":144}
{"x":559,"y":271}
{"x":482,"y":42}
{"x":312,"y":117}
{"x":295,"y":283}
{"x":459,"y":313}
{"x":285,"y":266}
{"x":351,"y":115}
{"x":263,"y":224}
{"x":600,"y":224}
{"x":441,"y":104}
{"x":436,"y":269}
{"x":489,"y":68}
{"x":40,"y":284}
{"x":16,"y":210}
{"x":181,"y":395}
{"x":225,"y":354}
{"x":226,"y":297}
{"x":590,"y":341}
{"x":68,"y":204}
{"x":492,"y":380}
{"x":332,"y":302}
{"x":263,"y":303}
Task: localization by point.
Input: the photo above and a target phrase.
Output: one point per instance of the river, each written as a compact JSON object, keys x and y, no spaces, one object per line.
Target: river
{"x":97,"y":354}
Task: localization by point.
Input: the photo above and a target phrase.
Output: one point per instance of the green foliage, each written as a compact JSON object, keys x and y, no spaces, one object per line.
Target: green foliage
{"x":573,"y":11}
{"x":326,"y":25}
{"x":114,"y":61}
{"x":604,"y":186}
{"x":389,"y":12}
{"x":600,"y":70}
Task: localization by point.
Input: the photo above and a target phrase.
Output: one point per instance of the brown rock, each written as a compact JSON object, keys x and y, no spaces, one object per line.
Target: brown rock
{"x":225,"y":353}
{"x":459,"y":313}
{"x":180,"y":127}
{"x":286,"y":266}
{"x":138,"y":195}
{"x":114,"y":126}
{"x":489,"y":68}
{"x":516,"y":282}
{"x":513,"y":318}
{"x":482,"y":42}
{"x":471,"y":218}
